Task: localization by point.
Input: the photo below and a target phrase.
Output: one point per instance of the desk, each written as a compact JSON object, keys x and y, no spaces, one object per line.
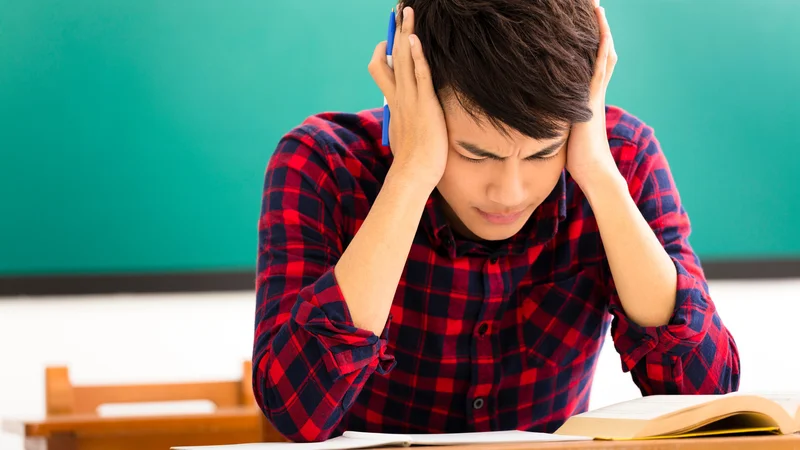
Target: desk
{"x":93,"y":432}
{"x":708,"y":443}
{"x":146,"y":433}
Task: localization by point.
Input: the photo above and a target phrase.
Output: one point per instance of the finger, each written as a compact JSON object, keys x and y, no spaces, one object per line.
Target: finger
{"x":403,"y":62}
{"x":600,"y":64}
{"x":601,"y":20}
{"x":611,"y":59}
{"x":381,"y":72}
{"x":422,"y":72}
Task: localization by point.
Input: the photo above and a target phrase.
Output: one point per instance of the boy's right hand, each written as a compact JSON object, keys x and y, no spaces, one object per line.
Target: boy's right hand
{"x":417,"y":129}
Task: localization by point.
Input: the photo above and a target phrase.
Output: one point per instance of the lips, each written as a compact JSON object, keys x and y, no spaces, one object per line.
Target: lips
{"x":501,"y":218}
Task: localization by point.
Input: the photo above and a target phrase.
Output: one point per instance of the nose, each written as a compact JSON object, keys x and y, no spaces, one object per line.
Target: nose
{"x":508,"y":188}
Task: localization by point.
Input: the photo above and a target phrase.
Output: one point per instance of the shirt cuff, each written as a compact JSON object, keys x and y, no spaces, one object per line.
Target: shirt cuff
{"x":322,"y":311}
{"x":687,"y":327}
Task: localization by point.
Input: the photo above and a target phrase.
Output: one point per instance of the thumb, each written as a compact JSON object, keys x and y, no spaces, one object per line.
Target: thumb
{"x":381,"y":72}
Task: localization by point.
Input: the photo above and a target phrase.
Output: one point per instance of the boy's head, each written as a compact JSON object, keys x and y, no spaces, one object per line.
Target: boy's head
{"x":512,"y":76}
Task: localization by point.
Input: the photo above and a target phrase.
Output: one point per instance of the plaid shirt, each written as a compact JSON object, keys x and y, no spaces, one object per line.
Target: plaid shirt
{"x":479,"y":337}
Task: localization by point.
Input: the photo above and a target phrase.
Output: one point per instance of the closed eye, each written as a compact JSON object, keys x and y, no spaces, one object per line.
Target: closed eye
{"x":536,"y":157}
{"x":483,"y":155}
{"x":542,"y":157}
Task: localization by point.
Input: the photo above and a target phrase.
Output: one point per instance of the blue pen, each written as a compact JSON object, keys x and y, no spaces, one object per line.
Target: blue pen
{"x":389,"y":45}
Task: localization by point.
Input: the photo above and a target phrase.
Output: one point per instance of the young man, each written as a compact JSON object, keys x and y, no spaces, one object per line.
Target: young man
{"x":464,"y":278}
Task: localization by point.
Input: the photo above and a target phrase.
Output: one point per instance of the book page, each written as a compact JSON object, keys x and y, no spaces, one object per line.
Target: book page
{"x":790,"y":401}
{"x":650,"y":407}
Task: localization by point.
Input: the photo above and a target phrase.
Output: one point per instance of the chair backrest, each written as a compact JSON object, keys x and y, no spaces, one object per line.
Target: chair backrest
{"x":63,"y":398}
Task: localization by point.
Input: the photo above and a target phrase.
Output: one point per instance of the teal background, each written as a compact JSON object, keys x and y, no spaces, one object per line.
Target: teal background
{"x":134,"y":134}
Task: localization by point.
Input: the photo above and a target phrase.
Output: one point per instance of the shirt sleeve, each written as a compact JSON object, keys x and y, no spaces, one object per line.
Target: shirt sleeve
{"x":694,"y":353}
{"x":309,"y":360}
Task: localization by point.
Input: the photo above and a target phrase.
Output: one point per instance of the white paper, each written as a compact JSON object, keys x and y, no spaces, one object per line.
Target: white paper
{"x":466,"y":438}
{"x":356,"y":440}
{"x":492,"y":437}
{"x":337,"y":443}
{"x":650,"y":407}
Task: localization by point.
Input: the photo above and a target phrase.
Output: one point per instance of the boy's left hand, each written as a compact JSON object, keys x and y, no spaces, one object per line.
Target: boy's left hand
{"x":588,"y":153}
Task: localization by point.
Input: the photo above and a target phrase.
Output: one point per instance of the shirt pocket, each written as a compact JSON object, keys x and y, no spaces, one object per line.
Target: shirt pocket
{"x":562,"y":321}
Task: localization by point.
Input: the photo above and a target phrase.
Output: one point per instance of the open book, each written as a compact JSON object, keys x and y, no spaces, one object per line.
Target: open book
{"x":665,"y":416}
{"x":652,"y":417}
{"x":355,"y":439}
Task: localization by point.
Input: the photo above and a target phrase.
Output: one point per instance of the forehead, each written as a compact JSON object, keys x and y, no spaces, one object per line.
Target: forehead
{"x":463,"y":126}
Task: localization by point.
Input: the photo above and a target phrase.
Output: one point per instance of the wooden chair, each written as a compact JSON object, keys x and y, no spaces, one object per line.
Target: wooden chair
{"x":73,"y":422}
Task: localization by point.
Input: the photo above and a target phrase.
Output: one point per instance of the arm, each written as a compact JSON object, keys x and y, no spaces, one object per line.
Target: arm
{"x":311,"y":354}
{"x":666,"y":327}
{"x":643,"y":272}
{"x":320,"y":307}
{"x":370,"y":269}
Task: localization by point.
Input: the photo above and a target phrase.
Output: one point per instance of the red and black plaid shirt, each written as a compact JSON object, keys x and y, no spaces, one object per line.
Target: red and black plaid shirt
{"x":480,"y":337}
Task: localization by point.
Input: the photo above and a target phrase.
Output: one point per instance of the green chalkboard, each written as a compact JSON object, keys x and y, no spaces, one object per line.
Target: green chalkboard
{"x":134,"y":134}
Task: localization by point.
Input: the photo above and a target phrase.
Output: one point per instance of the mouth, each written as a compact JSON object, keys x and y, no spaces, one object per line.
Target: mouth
{"x":501,"y":218}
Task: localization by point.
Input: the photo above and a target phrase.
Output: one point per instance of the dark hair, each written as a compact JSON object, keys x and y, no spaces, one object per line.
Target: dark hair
{"x":521,"y":64}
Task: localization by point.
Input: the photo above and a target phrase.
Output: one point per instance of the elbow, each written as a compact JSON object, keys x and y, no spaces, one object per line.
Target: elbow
{"x":298,"y":433}
{"x":732,"y":367}
{"x":290,"y":431}
{"x":724,"y":356}
{"x":278,"y":415}
{"x":722,"y":352}
{"x":313,"y":434}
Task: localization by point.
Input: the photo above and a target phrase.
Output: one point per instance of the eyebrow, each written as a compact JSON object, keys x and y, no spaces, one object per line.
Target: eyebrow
{"x":481,"y":153}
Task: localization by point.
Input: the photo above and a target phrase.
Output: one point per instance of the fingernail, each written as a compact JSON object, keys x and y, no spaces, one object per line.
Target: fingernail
{"x":405,"y":12}
{"x":411,"y":40}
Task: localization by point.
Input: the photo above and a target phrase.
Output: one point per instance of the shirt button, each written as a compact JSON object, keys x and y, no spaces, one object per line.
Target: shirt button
{"x":483,"y":328}
{"x":478,"y":403}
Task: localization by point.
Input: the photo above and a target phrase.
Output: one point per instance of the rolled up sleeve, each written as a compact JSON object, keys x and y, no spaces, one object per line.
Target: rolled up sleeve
{"x":694,"y":353}
{"x":310,"y":361}
{"x":325,"y":316}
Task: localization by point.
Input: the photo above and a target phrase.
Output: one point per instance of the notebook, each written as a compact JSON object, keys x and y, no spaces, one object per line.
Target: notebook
{"x":669,"y":416}
{"x":356,"y":440}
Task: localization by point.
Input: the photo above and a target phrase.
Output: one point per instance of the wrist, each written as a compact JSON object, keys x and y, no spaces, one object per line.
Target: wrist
{"x":601,"y":183}
{"x":414,"y":181}
{"x":408,"y":184}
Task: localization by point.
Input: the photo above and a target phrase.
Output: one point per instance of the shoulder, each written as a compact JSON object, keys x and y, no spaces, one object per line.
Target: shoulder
{"x":624,"y":128}
{"x":337,"y":157}
{"x":632,"y":141}
{"x":333,"y":138}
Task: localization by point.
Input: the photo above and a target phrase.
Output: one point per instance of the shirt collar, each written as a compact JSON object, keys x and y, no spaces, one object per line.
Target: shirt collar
{"x":539,"y":229}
